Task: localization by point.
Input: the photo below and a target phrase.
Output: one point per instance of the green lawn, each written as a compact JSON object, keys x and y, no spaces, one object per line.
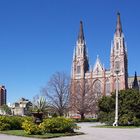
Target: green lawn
{"x":47,"y":135}
{"x":122,"y":127}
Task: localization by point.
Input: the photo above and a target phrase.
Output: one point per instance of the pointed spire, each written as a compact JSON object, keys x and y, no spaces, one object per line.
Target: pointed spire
{"x":81,"y":33}
{"x":135,"y":83}
{"x":119,"y":25}
{"x":98,"y":60}
{"x":74,"y":54}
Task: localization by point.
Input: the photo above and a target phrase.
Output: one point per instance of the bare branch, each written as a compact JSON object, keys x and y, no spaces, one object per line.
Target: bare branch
{"x":84,"y":97}
{"x":57,"y":92}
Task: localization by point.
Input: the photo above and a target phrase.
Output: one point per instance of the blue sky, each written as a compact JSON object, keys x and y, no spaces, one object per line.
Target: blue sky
{"x":37,"y":38}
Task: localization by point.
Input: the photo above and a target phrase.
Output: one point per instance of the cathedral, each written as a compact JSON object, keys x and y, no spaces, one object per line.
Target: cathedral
{"x":103,"y":80}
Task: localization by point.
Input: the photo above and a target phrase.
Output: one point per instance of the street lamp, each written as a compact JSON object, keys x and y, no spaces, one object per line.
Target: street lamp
{"x":116,"y":105}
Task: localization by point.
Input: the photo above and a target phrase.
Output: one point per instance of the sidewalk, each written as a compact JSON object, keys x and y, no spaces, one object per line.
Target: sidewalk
{"x":92,"y":133}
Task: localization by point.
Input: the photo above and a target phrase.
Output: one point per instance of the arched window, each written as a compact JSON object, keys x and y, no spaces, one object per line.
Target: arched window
{"x":97,"y":88}
{"x":107,"y":87}
{"x":78,"y":69}
{"x":117,"y":46}
{"x":117,"y":65}
{"x":78,"y":51}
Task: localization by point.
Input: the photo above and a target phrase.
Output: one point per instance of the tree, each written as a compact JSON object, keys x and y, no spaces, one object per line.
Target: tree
{"x":84,"y":97}
{"x":57,"y":93}
{"x":6,"y":109}
{"x":129,"y":108}
{"x":40,"y":104}
{"x":39,"y":108}
{"x":106,"y":107}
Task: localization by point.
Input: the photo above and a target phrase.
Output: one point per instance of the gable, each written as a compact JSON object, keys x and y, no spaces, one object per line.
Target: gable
{"x":98,"y":66}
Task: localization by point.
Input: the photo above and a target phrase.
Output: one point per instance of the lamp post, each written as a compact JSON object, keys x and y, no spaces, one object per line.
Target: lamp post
{"x":116,"y":104}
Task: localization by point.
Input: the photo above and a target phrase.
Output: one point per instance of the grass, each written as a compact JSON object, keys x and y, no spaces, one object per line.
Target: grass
{"x":115,"y":127}
{"x":47,"y":135}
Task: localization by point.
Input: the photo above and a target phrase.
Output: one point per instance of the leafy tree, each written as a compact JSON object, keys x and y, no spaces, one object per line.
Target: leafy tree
{"x":129,"y":108}
{"x":106,"y":107}
{"x":6,"y":109}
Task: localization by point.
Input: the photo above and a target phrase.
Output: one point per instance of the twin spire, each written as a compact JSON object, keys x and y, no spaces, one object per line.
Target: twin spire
{"x":118,"y":30}
{"x":80,"y":51}
{"x":81,"y":33}
{"x":81,"y":38}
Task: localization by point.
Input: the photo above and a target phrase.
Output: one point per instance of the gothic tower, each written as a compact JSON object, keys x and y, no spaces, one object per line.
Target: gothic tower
{"x":88,"y":84}
{"x":80,"y":64}
{"x":118,"y":58}
{"x":135,"y":82}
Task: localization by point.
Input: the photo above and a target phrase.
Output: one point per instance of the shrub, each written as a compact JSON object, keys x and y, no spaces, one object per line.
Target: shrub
{"x":4,"y":119}
{"x":107,"y":118}
{"x":52,"y":125}
{"x":15,"y":122}
{"x":4,"y":126}
{"x":136,"y":121}
{"x":59,"y":124}
{"x":31,"y":128}
{"x":5,"y":123}
{"x":12,"y":122}
{"x":124,"y":120}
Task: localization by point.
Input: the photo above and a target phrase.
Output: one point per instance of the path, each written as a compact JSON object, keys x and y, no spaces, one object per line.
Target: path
{"x":92,"y":133}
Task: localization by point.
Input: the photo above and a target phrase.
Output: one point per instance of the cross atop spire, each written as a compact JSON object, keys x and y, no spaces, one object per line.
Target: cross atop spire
{"x":81,"y":33}
{"x":119,"y":25}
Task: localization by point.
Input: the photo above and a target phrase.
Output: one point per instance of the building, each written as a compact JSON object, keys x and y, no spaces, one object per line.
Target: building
{"x":2,"y":95}
{"x":131,"y":80}
{"x":101,"y":79}
{"x":21,"y":107}
{"x":106,"y":79}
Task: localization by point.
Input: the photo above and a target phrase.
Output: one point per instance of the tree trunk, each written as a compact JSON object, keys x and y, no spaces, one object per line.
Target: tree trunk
{"x":61,"y":113}
{"x":82,"y":116}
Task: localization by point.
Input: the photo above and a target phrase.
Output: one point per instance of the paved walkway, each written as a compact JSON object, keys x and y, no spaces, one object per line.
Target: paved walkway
{"x":92,"y":133}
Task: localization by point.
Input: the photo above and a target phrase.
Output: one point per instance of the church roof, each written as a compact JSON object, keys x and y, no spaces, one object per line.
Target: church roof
{"x":98,"y":66}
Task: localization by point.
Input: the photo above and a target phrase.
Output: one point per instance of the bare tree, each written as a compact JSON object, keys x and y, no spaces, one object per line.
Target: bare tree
{"x":84,"y":97}
{"x":57,"y":93}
